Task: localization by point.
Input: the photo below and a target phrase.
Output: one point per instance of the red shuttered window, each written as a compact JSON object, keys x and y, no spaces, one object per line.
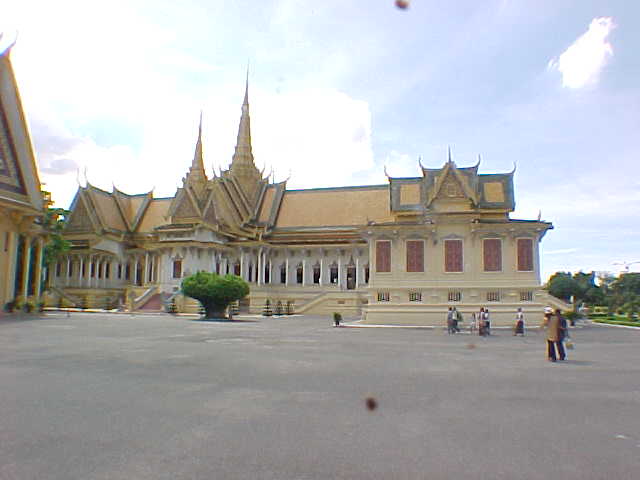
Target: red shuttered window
{"x":177,"y":269}
{"x":415,"y":256}
{"x":383,"y":256}
{"x":492,"y":251}
{"x":453,"y":255}
{"x":525,"y":255}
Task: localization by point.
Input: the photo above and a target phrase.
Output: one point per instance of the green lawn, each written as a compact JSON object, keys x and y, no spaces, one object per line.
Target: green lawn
{"x":612,"y":321}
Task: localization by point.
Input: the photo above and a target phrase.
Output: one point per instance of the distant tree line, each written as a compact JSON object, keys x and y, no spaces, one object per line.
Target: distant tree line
{"x":619,"y":294}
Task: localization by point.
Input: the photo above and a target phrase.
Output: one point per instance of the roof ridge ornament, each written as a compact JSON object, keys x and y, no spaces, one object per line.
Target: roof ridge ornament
{"x":7,"y":50}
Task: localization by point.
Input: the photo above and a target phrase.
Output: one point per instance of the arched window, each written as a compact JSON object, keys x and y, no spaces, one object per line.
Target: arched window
{"x":283,"y":273}
{"x":236,"y":268}
{"x":366,"y":273}
{"x":316,"y":273}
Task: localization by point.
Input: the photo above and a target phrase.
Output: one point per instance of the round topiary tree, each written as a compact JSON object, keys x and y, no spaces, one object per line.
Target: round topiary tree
{"x":214,"y":292}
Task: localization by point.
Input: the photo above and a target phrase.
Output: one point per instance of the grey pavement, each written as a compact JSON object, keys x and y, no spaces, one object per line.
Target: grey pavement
{"x":106,"y":396}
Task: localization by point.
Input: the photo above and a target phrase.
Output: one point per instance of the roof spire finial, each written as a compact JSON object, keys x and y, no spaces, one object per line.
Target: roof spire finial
{"x":197,"y":175}
{"x":243,"y":154}
{"x":246,"y":88}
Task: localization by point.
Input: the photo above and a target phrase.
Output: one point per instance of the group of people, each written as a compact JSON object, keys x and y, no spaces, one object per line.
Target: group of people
{"x":554,"y":322}
{"x":480,"y":322}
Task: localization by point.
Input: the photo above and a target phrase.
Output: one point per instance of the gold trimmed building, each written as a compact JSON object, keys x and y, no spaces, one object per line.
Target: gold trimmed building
{"x":401,"y":252}
{"x":22,"y":203}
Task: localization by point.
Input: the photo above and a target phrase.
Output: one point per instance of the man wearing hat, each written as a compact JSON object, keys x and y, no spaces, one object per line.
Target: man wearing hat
{"x":552,"y":324}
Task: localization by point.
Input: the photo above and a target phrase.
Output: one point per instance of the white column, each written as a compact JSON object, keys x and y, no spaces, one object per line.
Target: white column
{"x":304,"y":272}
{"x":26,"y":261}
{"x":242,"y":272}
{"x":80,"y":265}
{"x":135,"y":271}
{"x":340,"y":272}
{"x":357,"y":279}
{"x":145,"y":274}
{"x":286,"y":271}
{"x":260,"y":267}
{"x":68,"y":275}
{"x":321,"y":269}
{"x":37,"y":277}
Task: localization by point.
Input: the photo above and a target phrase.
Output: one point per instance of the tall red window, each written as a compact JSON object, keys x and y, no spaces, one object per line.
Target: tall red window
{"x":453,"y":255}
{"x":492,"y":252}
{"x":383,"y":256}
{"x":177,"y":269}
{"x":415,"y":256}
{"x":525,"y":255}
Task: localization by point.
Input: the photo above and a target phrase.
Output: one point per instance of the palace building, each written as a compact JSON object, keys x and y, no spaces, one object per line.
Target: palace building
{"x":400,"y":253}
{"x":22,"y":203}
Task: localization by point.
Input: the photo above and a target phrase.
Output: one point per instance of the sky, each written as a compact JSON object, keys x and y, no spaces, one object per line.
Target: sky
{"x":339,"y":90}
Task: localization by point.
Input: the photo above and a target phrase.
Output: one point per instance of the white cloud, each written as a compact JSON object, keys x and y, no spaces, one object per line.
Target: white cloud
{"x":581,"y":63}
{"x":322,"y":136}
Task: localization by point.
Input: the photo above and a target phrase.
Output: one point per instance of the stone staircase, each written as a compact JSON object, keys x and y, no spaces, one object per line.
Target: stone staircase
{"x":153,"y":304}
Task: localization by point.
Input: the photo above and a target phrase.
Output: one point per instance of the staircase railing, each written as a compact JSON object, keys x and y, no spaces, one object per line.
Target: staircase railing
{"x":142,"y":299}
{"x":75,"y":301}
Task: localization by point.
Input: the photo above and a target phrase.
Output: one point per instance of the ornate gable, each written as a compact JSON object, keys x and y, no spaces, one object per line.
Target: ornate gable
{"x":451,"y":184}
{"x":450,"y":187}
{"x":210,"y":213}
{"x":11,"y":178}
{"x":19,"y":183}
{"x":184,"y":207}
{"x":81,"y":218}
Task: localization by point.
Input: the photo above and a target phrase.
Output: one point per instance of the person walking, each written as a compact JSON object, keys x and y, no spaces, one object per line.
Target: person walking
{"x":481,"y":329}
{"x":472,"y":322}
{"x":563,"y":334}
{"x":450,"y":328}
{"x":518,"y":329}
{"x":457,"y":317}
{"x":551,"y":323}
{"x":487,"y":322}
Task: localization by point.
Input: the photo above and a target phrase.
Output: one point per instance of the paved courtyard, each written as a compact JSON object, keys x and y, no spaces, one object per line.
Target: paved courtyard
{"x":106,"y":396}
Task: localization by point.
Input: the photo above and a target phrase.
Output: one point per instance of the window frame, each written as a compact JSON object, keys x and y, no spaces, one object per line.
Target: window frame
{"x":461,"y":241}
{"x":421,"y":250}
{"x":379,"y":264}
{"x":484,"y":258}
{"x":533,"y":262}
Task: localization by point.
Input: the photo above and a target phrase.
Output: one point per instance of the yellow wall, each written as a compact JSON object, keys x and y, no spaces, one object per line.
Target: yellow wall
{"x":8,"y":237}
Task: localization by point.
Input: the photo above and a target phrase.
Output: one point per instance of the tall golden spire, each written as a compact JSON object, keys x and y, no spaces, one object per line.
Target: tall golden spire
{"x":197,"y":176}
{"x":243,"y":156}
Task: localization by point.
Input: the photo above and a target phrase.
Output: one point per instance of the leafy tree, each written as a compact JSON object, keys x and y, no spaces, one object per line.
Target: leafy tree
{"x":625,"y":294}
{"x":581,"y":286}
{"x":214,"y":292}
{"x":54,"y":222}
{"x":562,"y":285}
